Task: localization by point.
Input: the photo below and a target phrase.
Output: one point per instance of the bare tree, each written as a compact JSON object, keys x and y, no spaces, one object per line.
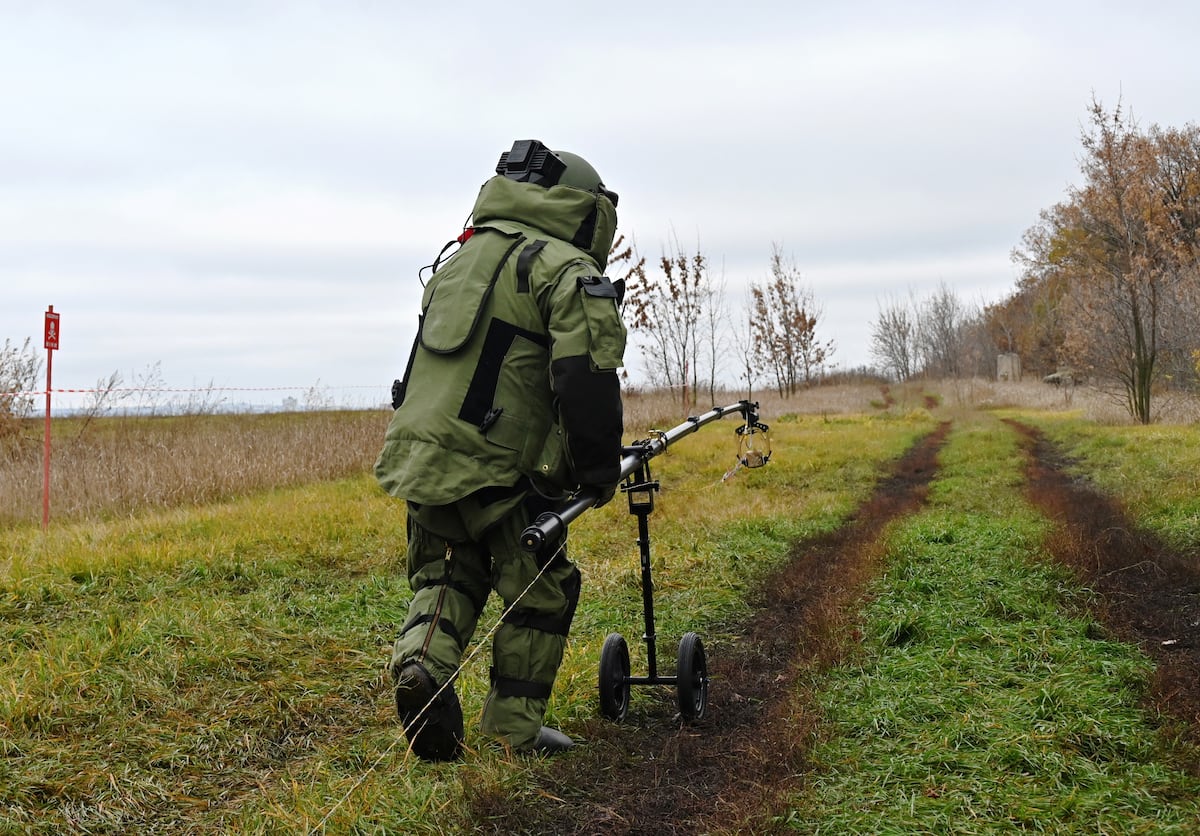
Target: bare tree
{"x":894,"y":338}
{"x":939,"y":338}
{"x":668,"y":309}
{"x":713,"y":336}
{"x":742,"y":334}
{"x":784,"y":321}
{"x":629,"y":268}
{"x":626,"y":264}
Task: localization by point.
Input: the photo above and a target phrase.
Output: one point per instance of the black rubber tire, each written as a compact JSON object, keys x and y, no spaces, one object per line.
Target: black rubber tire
{"x":614,"y":678}
{"x":692,"y":678}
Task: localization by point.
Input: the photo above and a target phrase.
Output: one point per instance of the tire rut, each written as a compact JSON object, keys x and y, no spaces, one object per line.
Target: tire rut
{"x":728,"y":772}
{"x":1147,"y":593}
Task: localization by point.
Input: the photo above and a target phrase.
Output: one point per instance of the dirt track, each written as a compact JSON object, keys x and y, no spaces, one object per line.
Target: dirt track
{"x":1148,"y":595}
{"x":728,"y":773}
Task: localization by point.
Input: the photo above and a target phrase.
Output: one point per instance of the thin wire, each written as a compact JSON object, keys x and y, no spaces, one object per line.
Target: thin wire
{"x":729,"y":474}
{"x":447,"y":684}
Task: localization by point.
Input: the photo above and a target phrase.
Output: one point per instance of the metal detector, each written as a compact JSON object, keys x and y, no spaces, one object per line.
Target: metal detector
{"x":691,"y":672}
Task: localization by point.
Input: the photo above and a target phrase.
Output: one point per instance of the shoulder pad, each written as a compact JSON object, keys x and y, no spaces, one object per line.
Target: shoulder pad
{"x":598,"y":286}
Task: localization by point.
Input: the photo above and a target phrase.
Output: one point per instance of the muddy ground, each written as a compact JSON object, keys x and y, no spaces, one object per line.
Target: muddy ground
{"x":729,"y":772}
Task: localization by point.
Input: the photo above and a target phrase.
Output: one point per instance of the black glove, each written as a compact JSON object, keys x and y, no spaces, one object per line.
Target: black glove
{"x":604,"y":493}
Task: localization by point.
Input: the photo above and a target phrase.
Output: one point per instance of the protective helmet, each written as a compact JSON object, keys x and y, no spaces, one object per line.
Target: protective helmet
{"x":529,"y":161}
{"x":580,"y":174}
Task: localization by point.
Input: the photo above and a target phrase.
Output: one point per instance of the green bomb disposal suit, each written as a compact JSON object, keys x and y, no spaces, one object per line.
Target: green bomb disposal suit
{"x":510,"y":401}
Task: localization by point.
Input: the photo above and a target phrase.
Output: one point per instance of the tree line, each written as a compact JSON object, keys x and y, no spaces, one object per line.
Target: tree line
{"x":1110,"y":286}
{"x":1109,"y":292}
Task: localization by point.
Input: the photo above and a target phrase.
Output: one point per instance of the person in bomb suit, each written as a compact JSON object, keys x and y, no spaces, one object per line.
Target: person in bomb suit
{"x":509,"y":404}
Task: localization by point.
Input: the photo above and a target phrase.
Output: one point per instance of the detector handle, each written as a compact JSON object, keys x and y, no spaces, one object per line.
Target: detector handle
{"x":551,"y":526}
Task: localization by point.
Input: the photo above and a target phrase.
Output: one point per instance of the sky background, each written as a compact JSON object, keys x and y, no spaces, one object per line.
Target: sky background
{"x":240,"y":194}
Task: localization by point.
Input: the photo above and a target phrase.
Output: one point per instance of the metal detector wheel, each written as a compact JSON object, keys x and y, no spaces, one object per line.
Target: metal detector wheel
{"x":692,"y":678}
{"x":614,"y":677}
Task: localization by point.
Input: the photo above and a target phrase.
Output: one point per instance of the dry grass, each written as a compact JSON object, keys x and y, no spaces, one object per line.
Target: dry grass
{"x":117,"y":466}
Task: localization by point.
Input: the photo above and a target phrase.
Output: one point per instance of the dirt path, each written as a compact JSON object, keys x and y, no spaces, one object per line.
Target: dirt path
{"x":1148,"y":594}
{"x":724,"y":774}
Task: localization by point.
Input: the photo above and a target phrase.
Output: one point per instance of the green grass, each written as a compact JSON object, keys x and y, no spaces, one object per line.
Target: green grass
{"x":983,"y":698}
{"x":177,"y":665}
{"x":218,"y":669}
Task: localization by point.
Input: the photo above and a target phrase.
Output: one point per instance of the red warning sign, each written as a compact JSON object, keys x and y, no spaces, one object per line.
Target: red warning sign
{"x":51,"y":329}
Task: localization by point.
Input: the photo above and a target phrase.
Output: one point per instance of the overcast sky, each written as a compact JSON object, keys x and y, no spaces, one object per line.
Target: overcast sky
{"x":241,"y":193}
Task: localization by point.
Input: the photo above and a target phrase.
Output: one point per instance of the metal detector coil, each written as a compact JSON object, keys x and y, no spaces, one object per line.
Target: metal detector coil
{"x":754,"y":444}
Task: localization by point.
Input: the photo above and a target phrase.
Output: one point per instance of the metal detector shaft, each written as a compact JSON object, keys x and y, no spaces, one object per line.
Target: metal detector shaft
{"x":552,"y":525}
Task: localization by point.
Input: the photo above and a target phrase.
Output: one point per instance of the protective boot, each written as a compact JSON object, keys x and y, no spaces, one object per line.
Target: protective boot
{"x":550,"y":742}
{"x":434,"y":727}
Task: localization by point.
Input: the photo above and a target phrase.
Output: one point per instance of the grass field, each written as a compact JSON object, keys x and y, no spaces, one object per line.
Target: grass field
{"x":985,"y":697}
{"x":215,"y":665}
